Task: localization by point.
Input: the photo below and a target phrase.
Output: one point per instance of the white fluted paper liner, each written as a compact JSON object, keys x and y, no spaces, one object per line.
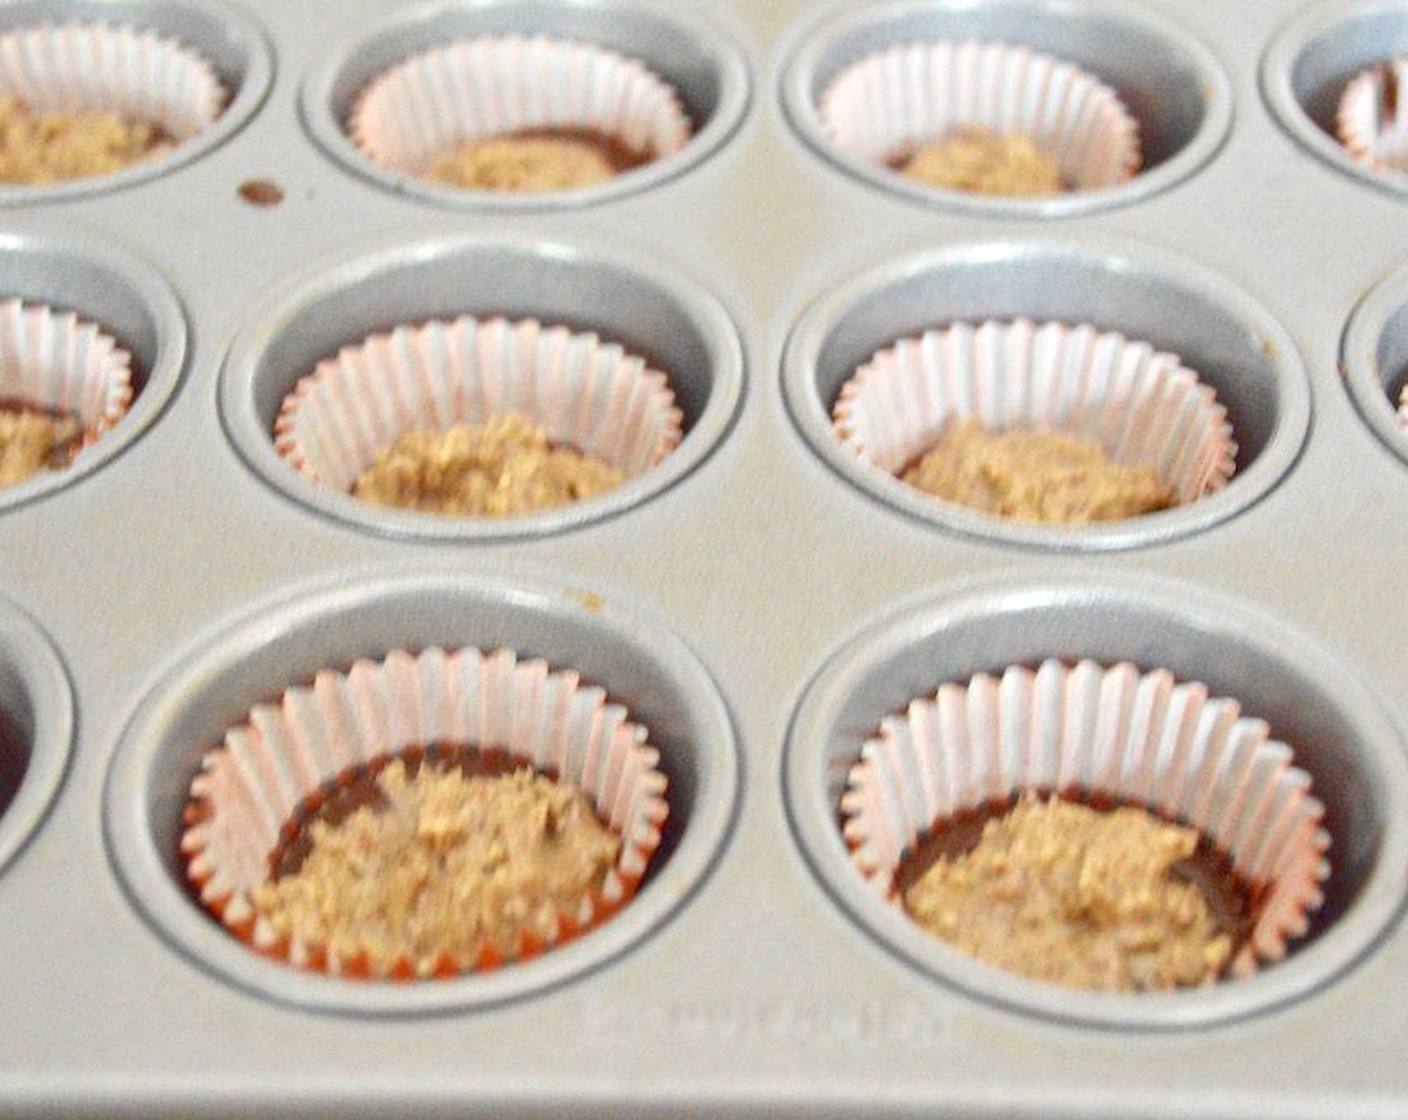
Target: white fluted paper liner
{"x":137,"y":75}
{"x":475,"y":89}
{"x":56,"y":362}
{"x":1143,"y":406}
{"x":587,"y":394}
{"x":1371,"y":122}
{"x":1136,"y":737}
{"x":882,"y":107}
{"x":250,"y":786}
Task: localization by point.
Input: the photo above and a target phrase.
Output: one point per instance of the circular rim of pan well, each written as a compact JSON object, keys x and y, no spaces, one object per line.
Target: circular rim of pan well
{"x":983,"y":625}
{"x":285,"y":640}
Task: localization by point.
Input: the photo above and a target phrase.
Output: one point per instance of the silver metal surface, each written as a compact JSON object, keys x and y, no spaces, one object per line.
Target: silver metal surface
{"x":753,"y":600}
{"x":1375,"y":359}
{"x":38,"y":727}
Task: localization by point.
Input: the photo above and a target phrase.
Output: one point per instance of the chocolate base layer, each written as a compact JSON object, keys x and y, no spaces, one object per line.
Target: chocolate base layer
{"x":610,"y":148}
{"x":1233,"y":901}
{"x":14,"y":758}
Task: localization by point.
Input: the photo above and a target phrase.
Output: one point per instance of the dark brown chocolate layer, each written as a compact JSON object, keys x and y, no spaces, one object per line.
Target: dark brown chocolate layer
{"x":14,"y":758}
{"x":1388,"y":97}
{"x":618,"y":155}
{"x":1232,"y":900}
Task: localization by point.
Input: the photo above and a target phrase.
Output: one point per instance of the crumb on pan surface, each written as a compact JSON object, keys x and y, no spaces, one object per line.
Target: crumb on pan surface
{"x":32,"y":441}
{"x":445,"y":861}
{"x":981,"y":162}
{"x":533,"y":162}
{"x":38,"y":148}
{"x":1083,"y":898}
{"x":507,"y":466}
{"x":1037,"y":476}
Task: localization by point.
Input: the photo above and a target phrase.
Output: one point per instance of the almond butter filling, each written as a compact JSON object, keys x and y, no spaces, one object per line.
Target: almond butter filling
{"x":33,"y":441}
{"x":446,"y":863}
{"x":1036,"y":476}
{"x":40,"y":148}
{"x":532,"y":162}
{"x":980,"y":162}
{"x":1079,"y":897}
{"x":505,"y":467}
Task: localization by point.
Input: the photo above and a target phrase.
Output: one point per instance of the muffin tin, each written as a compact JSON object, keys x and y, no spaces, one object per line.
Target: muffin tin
{"x":756,"y":600}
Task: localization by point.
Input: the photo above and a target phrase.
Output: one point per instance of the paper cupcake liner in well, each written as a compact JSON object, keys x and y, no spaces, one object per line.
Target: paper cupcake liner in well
{"x":882,"y":107}
{"x":587,"y":394}
{"x":475,"y":89}
{"x":1134,"y":737}
{"x":136,"y":75}
{"x":55,"y":362}
{"x":1370,"y":121}
{"x":251,"y":785}
{"x":1142,"y":406}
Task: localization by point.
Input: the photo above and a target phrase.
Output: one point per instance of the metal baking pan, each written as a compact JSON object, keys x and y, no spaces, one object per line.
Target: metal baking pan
{"x":757,"y":600}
